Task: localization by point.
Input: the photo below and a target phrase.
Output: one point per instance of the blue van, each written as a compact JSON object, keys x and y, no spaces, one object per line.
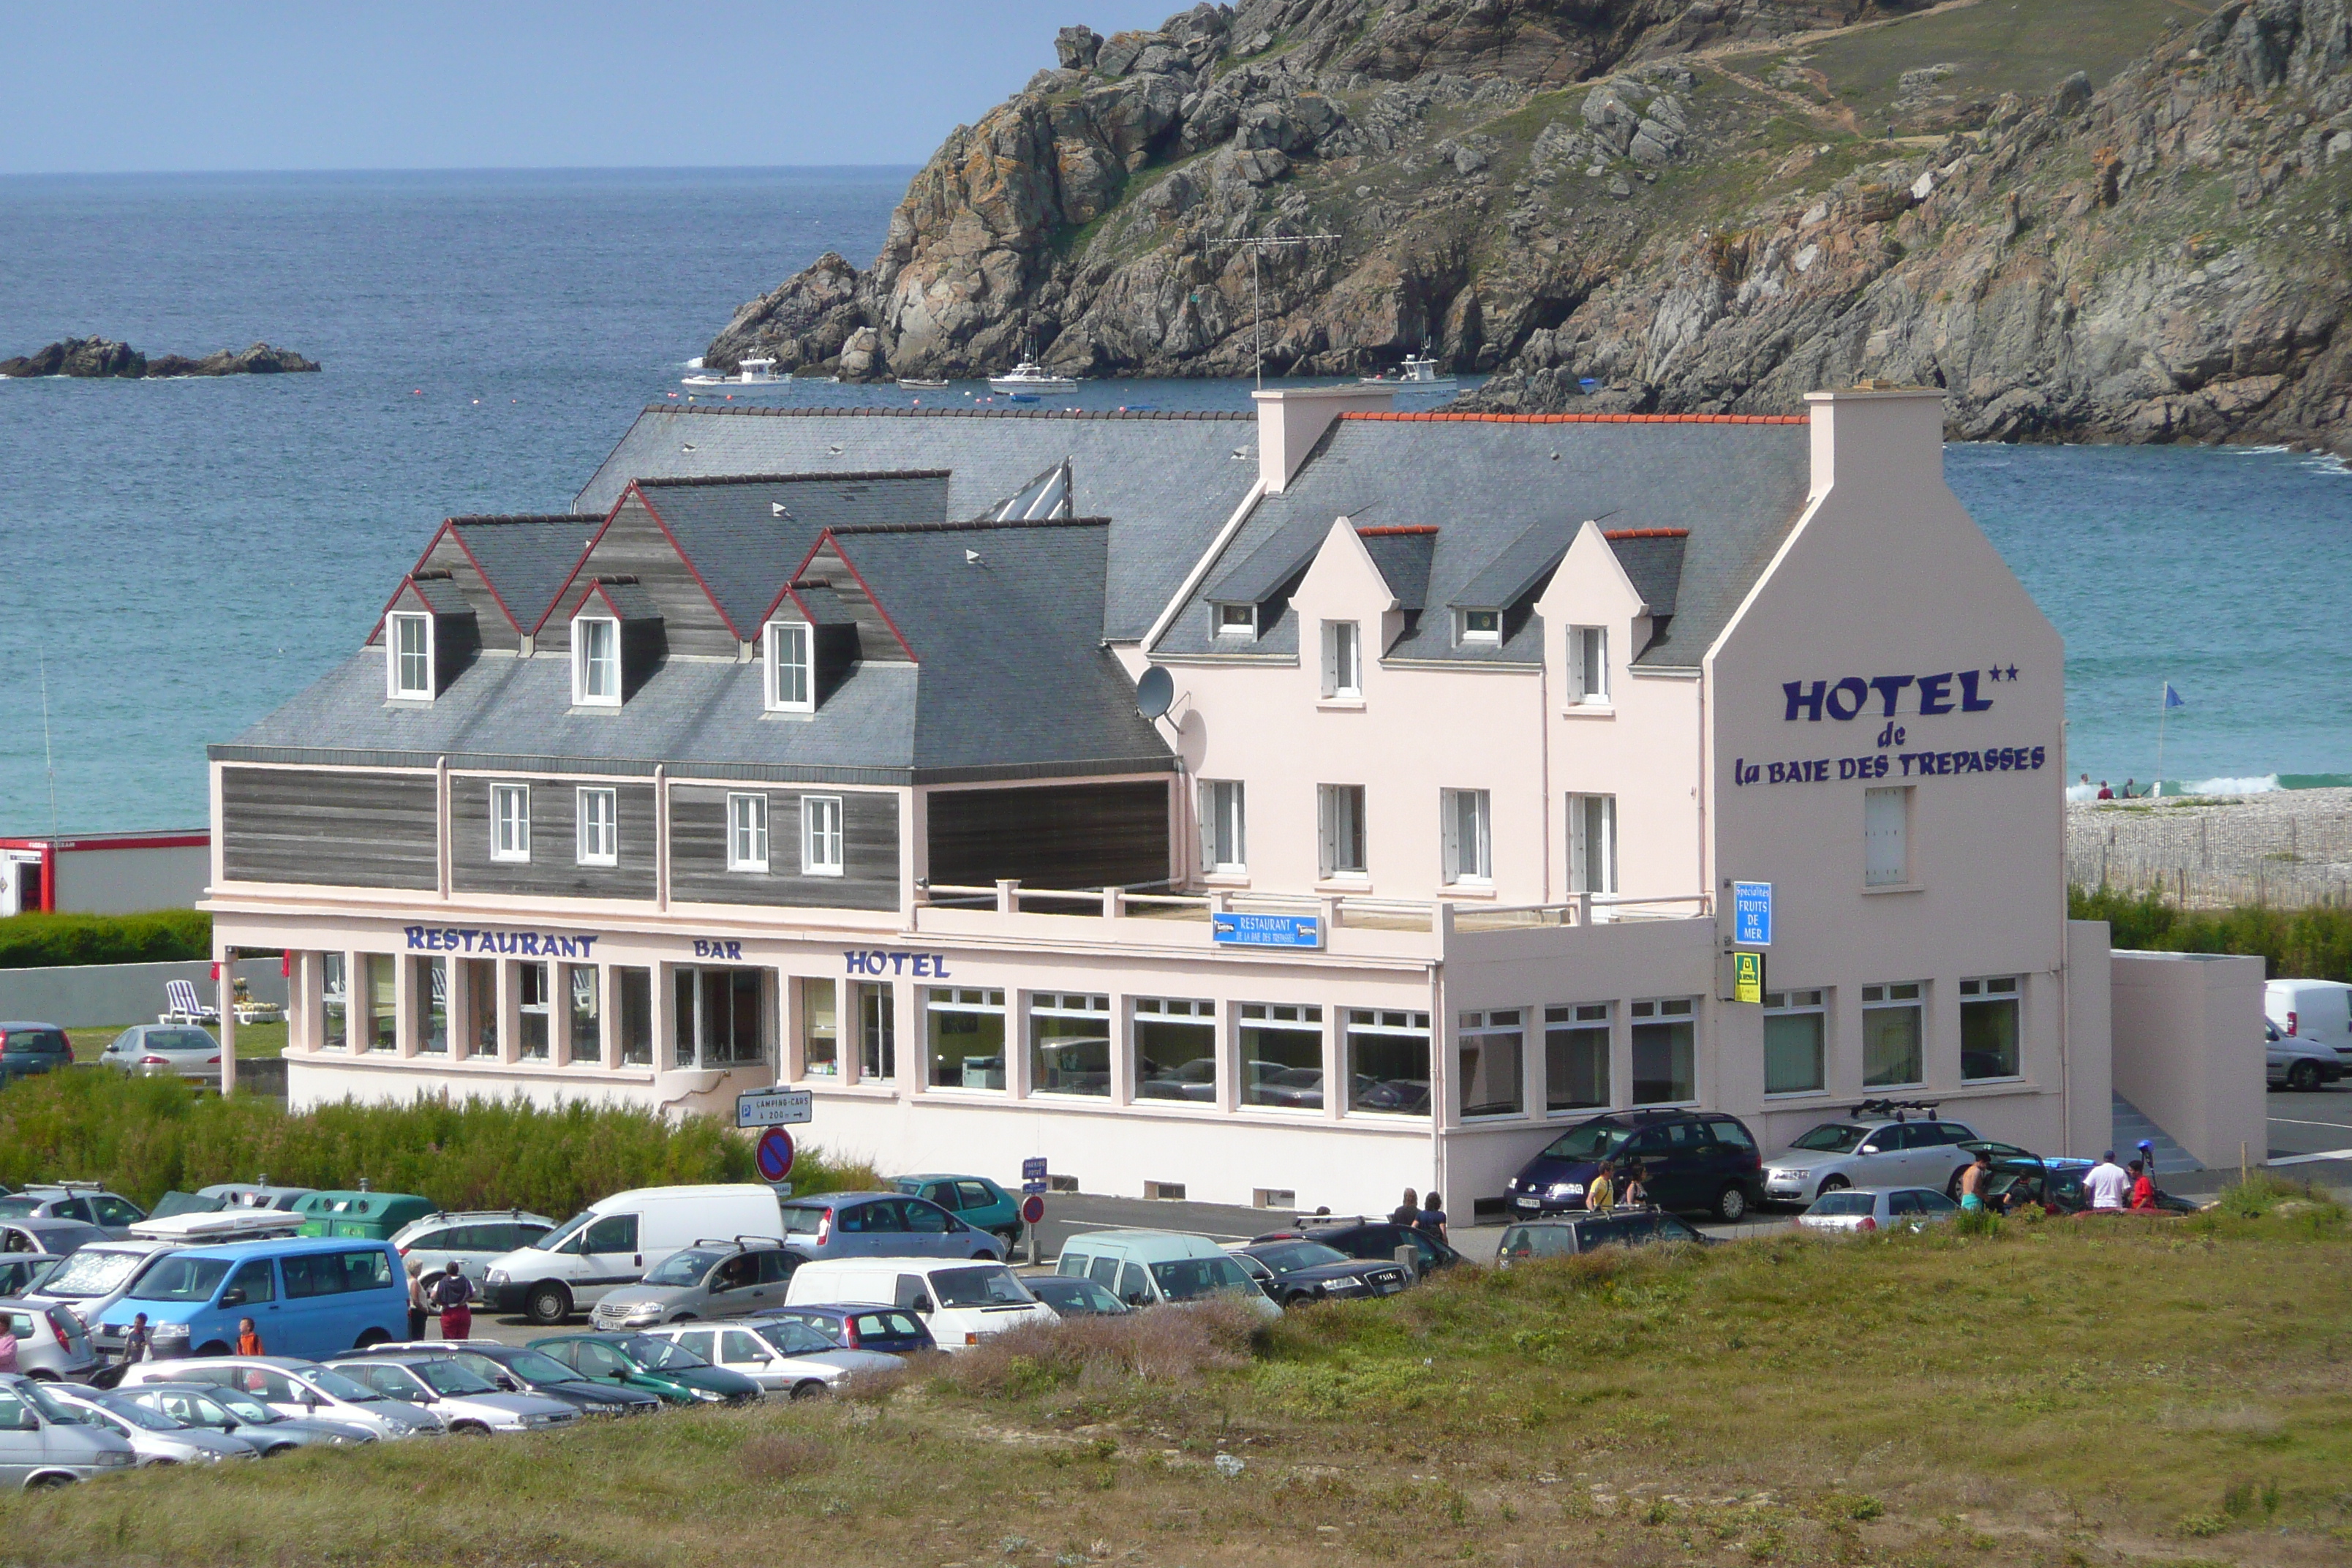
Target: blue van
{"x":308,"y":1298}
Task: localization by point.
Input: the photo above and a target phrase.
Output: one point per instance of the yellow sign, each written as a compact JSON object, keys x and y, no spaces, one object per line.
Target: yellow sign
{"x":1748,"y":977}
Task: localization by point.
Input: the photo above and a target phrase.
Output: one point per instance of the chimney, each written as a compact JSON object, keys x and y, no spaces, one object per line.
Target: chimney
{"x":1872,"y":435}
{"x":1292,"y":419}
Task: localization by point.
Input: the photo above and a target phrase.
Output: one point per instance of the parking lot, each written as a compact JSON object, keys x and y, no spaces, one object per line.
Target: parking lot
{"x":2311,"y":1134}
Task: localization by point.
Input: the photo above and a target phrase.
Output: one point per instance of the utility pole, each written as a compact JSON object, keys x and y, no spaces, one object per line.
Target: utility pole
{"x":1259,"y":244}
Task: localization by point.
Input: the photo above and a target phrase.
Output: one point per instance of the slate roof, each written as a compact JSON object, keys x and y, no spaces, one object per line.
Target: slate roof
{"x":526,"y":558}
{"x":1402,"y":555}
{"x":442,"y":596}
{"x":1167,"y":482}
{"x":1502,"y":491}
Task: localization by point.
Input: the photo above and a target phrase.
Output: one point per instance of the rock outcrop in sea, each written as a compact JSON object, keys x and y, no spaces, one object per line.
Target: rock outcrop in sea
{"x":103,"y":357}
{"x":1650,"y":204}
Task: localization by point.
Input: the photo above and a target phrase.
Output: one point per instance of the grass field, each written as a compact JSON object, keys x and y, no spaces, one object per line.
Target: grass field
{"x":2067,"y":1394}
{"x":252,"y":1041}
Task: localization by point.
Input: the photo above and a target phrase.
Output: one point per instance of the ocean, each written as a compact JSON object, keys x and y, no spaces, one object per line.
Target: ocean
{"x":177,"y":558}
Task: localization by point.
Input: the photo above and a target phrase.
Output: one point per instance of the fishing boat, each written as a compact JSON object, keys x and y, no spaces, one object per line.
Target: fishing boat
{"x":1031,"y":376}
{"x":754,"y":373}
{"x":1416,"y":371}
{"x":918,"y":383}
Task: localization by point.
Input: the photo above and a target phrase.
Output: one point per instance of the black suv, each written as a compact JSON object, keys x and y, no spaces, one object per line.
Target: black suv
{"x":1572,"y":1235}
{"x":1374,"y":1241}
{"x":1693,"y":1161}
{"x":1294,"y":1271}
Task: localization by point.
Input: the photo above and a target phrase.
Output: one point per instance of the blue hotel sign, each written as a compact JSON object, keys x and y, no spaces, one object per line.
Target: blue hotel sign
{"x":1229,"y":930}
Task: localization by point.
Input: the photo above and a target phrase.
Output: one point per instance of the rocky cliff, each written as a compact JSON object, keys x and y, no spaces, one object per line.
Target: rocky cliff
{"x":102,"y":358}
{"x":2088,"y":219}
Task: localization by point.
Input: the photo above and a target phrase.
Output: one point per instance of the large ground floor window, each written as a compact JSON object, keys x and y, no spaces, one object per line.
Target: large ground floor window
{"x":964,"y":1031}
{"x":334,"y":1001}
{"x":1176,"y":1049}
{"x":534,"y":1011}
{"x":1490,"y":1045}
{"x":820,"y":1029}
{"x":1576,"y":1056}
{"x":877,"y":1034}
{"x":1282,"y":1055}
{"x":634,"y":996}
{"x":585,"y":1022}
{"x":1893,"y":1035}
{"x":383,"y":970}
{"x":1989,"y":1028}
{"x":1796,"y":1037}
{"x":430,"y":1000}
{"x":1387,"y":1058}
{"x":480,"y":1034}
{"x":718,"y":1017}
{"x":1069,"y":1043}
{"x":1666,"y":1051}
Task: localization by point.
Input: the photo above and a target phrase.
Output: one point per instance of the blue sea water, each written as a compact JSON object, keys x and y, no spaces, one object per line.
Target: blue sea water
{"x":177,"y":558}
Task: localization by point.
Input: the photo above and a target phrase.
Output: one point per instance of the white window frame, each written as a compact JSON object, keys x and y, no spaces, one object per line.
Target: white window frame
{"x":1886,"y":846}
{"x":1330,"y":830}
{"x":396,"y":657}
{"x":510,"y":822}
{"x":1343,"y":660}
{"x":1810,"y":1002}
{"x":1226,"y":627}
{"x":584,"y":658}
{"x":747,"y":832}
{"x":802,"y":666}
{"x":1224,"y":804}
{"x":821,"y":835}
{"x":599,"y":820}
{"x":1471,"y":864}
{"x":1589,"y":872}
{"x":1466,"y":633}
{"x":1588,"y":666}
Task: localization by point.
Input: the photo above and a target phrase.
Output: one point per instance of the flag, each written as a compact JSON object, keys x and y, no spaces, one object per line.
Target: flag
{"x":2171,"y":697}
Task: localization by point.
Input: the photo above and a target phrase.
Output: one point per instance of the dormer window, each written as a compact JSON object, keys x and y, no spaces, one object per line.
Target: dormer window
{"x":409,"y":657}
{"x":595,"y":662}
{"x":1237,"y":620}
{"x":1482,"y":625}
{"x":791,"y":668}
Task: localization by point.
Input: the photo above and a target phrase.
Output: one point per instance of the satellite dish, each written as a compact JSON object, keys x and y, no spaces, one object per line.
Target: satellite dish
{"x":1154,"y":692}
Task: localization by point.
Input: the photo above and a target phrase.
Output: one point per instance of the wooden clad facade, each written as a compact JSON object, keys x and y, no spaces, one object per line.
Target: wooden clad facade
{"x":555,"y":865}
{"x":329,"y":827}
{"x":697,"y":867}
{"x":634,"y":545}
{"x":1052,"y":836}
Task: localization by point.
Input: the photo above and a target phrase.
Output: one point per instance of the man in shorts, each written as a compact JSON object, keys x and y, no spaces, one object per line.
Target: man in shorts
{"x":1972,"y":1183}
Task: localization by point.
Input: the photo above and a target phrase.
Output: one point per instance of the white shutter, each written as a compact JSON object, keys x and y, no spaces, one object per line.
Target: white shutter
{"x":1885,"y":855}
{"x":1237,"y":825}
{"x":1576,"y":680}
{"x":1331,"y":672}
{"x":1325,"y":810}
{"x":1596,"y":664}
{"x":1208,"y":793}
{"x":1449,"y":811}
{"x":1606,"y":832}
{"x":1579,"y":854}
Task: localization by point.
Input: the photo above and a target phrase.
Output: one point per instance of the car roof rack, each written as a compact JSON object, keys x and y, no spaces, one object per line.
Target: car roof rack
{"x":65,"y":1186}
{"x":1897,"y":1109}
{"x":1327,"y":1221}
{"x":744,"y":1242}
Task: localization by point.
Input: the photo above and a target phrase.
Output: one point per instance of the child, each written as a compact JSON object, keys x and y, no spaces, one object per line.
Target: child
{"x":248,"y":1339}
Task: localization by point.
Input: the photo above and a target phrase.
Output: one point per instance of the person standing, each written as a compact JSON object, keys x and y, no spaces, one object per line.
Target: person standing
{"x":1406,"y":1212}
{"x":1430,"y":1221}
{"x":8,"y":1347}
{"x":454,"y":1294}
{"x":2143,"y":1195}
{"x":1636,"y":1195}
{"x":2104,"y":793}
{"x":2107,"y":1184}
{"x":1600,"y":1194}
{"x":136,"y":1344}
{"x":1972,"y":1183}
{"x":249,"y":1338}
{"x":419,"y":1307}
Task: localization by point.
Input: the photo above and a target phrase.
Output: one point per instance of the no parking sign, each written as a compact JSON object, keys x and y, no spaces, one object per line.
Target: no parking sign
{"x":774,"y":1155}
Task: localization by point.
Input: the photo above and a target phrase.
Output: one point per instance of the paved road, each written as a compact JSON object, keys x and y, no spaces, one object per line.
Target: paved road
{"x":2302,"y":1125}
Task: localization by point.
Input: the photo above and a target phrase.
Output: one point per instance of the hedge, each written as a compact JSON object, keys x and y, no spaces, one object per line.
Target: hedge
{"x":144,"y":1136}
{"x":50,"y":941}
{"x":2313,"y":943}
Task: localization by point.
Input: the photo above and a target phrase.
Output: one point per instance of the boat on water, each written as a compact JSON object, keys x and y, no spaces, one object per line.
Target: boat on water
{"x":754,"y":373}
{"x":918,"y":383}
{"x":1031,"y":376}
{"x":1416,"y":371}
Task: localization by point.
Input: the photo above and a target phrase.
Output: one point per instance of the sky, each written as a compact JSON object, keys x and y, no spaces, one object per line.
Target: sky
{"x":122,"y":87}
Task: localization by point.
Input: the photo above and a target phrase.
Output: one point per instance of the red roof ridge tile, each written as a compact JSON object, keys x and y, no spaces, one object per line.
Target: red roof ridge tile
{"x":1395,"y":529}
{"x":1615,"y":534}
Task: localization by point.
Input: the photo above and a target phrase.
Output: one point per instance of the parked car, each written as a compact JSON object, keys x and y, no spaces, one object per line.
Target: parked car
{"x":1071,"y":1297}
{"x":92,"y":1280}
{"x":50,"y":1341}
{"x":1877,"y":1208}
{"x":374,"y":1217}
{"x":24,"y":1273}
{"x":471,"y":1241}
{"x":44,"y":1443}
{"x":637,"y":1361}
{"x":614,"y":1240}
{"x":962,"y":1303}
{"x":300,"y":1389}
{"x":307,"y":1297}
{"x":459,"y":1395}
{"x":1696,"y":1161}
{"x":975,"y":1200}
{"x":1571,"y":1235}
{"x":516,"y":1370}
{"x":2055,"y":1181}
{"x":53,"y":1237}
{"x":1883,"y":1149}
{"x":164,"y":1050}
{"x":780,"y":1354}
{"x":86,"y":1203}
{"x":27,"y":1048}
{"x":1294,"y":1271}
{"x":2298,"y":1063}
{"x":881,"y":1225}
{"x":1152,"y":1267}
{"x":708,"y":1280}
{"x":211,"y":1408}
{"x":1371,"y":1240}
{"x":258,"y":1193}
{"x":156,"y":1438}
{"x":857,"y":1326}
{"x":2319,"y":1011}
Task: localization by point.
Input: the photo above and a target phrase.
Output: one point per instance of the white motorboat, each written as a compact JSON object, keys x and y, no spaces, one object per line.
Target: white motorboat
{"x":754,"y":373}
{"x":1031,"y":376}
{"x":920,"y":384}
{"x":1419,"y":371}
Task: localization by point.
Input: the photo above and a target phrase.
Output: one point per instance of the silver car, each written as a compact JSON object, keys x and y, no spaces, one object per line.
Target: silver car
{"x":469,"y":1401}
{"x":44,"y":1442}
{"x":2299,"y":1064}
{"x":82,"y":1204}
{"x":94,"y":1279}
{"x":780,"y":1354}
{"x":227,"y":1413}
{"x":24,"y":1273}
{"x":164,"y":1050}
{"x":154,"y":1437}
{"x":1878,"y":1208}
{"x":708,"y":1280}
{"x":304,"y":1390}
{"x":471,"y":1241}
{"x":1867,"y":1152}
{"x":50,"y":1343}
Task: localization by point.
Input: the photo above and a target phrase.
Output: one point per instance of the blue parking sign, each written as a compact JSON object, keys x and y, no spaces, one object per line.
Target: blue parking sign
{"x":1751,"y":913}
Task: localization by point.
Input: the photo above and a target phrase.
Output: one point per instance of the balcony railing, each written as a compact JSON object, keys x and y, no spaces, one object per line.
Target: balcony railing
{"x":1338,"y":910}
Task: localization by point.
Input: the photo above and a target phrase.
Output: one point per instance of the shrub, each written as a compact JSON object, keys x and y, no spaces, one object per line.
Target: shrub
{"x":1165,"y":1345}
{"x":50,"y":941}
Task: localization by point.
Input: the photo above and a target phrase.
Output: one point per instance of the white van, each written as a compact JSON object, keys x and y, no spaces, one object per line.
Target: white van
{"x":2319,"y":1011}
{"x":614,"y":1240}
{"x":1155,"y":1267}
{"x":964,"y":1302}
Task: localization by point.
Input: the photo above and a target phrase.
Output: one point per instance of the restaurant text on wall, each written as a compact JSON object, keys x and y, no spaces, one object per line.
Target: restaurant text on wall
{"x":521,"y":943}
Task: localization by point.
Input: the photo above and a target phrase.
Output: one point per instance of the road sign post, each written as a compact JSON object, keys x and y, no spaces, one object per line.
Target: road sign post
{"x":1033,"y":1215}
{"x":774,"y":1155}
